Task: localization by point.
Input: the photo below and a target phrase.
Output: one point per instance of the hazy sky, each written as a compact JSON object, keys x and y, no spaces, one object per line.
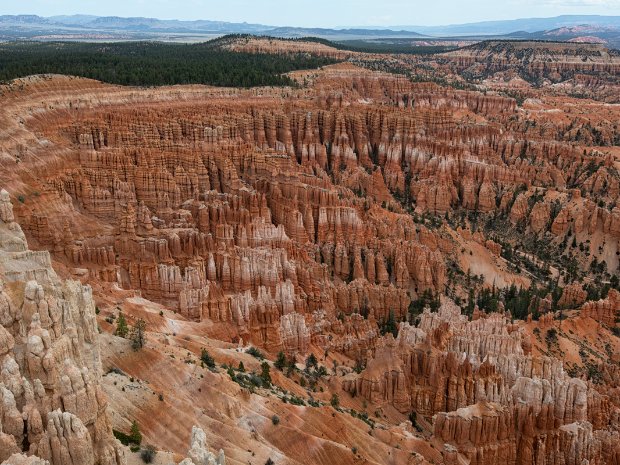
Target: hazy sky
{"x":325,"y":13}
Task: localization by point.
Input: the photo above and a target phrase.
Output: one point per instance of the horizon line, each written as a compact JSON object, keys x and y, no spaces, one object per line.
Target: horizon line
{"x":393,"y":27}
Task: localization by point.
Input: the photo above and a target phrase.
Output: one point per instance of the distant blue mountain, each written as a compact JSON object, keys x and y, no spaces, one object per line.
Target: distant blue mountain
{"x":85,"y":27}
{"x":513,"y":25}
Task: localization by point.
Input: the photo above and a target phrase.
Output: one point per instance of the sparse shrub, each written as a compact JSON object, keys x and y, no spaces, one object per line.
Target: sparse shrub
{"x":134,"y":438}
{"x":413,"y":418}
{"x":335,"y":401}
{"x":138,"y":335}
{"x":573,"y":371}
{"x":552,"y":336}
{"x":594,"y":373}
{"x":117,"y":371}
{"x":148,"y":454}
{"x":206,"y":358}
{"x":275,"y":419}
{"x":290,"y":365}
{"x":359,"y":366}
{"x":254,"y":352}
{"x":123,"y":438}
{"x":311,"y":361}
{"x":296,"y":400}
{"x":390,"y":326}
{"x":280,"y":362}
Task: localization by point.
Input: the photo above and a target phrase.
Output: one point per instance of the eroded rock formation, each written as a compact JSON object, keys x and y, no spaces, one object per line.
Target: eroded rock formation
{"x":489,"y":400}
{"x":199,"y":453}
{"x":51,"y":404}
{"x":310,"y":220}
{"x":605,"y":310}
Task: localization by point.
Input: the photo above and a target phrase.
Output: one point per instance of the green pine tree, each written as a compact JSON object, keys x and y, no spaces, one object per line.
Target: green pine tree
{"x":311,"y":361}
{"x":135,"y":434}
{"x":265,"y":375}
{"x":121,"y":326}
{"x":390,"y":325}
{"x":280,"y":362}
{"x":138,"y":336}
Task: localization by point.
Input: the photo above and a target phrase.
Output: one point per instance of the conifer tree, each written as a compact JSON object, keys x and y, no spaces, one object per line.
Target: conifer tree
{"x":121,"y":326}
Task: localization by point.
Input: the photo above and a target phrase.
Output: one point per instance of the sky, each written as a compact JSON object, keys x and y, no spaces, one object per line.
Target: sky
{"x":319,"y":13}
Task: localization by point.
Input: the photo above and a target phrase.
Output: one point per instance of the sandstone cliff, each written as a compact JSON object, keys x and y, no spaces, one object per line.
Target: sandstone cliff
{"x":51,"y":403}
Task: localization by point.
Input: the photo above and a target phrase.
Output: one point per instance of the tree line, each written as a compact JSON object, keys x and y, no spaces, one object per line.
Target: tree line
{"x":153,"y":63}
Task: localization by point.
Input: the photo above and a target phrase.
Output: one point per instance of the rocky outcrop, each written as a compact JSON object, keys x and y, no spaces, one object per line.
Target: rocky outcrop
{"x":535,"y":60}
{"x":294,"y":333}
{"x":573,"y":295}
{"x":199,"y":453}
{"x":489,"y":399}
{"x":485,"y":433}
{"x":21,"y":459}
{"x":352,"y":335}
{"x":604,"y":311}
{"x":51,"y":404}
{"x":441,"y":365}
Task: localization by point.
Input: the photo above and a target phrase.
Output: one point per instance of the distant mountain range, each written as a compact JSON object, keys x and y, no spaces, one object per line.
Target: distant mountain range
{"x":607,"y":35}
{"x":76,"y":23}
{"x":514,"y":25}
{"x":77,"y":26}
{"x":585,"y":28}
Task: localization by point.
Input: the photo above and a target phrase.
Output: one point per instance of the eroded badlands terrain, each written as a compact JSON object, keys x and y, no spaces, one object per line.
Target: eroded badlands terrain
{"x":448,"y":257}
